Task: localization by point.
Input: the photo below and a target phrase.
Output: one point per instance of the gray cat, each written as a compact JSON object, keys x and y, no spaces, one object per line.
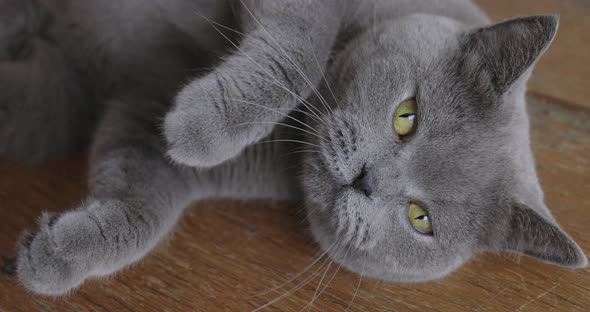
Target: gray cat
{"x":400,"y":124}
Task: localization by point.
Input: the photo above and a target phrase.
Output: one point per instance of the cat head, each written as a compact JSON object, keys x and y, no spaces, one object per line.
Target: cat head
{"x":424,"y":157}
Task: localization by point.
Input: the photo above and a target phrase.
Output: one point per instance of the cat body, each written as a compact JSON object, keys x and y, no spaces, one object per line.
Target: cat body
{"x":95,"y":51}
{"x":288,"y":100}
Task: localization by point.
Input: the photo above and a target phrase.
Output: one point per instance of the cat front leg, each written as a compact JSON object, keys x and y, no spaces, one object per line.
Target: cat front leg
{"x":136,"y":198}
{"x":276,"y":66}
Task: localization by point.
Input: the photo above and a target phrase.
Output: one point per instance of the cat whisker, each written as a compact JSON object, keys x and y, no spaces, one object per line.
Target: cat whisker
{"x":325,"y":80}
{"x":300,"y":150}
{"x":297,"y":165}
{"x":278,"y":112}
{"x":296,"y":287}
{"x":319,"y":284}
{"x":307,"y":268}
{"x":303,"y":151}
{"x":210,"y":21}
{"x":276,"y":82}
{"x":302,"y":283}
{"x":285,"y":55}
{"x":278,"y":53}
{"x":304,"y":102}
{"x":278,"y":124}
{"x":311,"y":211}
{"x":326,"y":286}
{"x":288,"y":140}
{"x":323,"y":289}
{"x":359,"y":283}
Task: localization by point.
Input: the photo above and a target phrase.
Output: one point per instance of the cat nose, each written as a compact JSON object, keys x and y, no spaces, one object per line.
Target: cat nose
{"x":361,"y":182}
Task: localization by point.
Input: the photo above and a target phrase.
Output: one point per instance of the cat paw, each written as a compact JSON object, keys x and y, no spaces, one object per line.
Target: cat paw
{"x":198,"y":141}
{"x":55,"y":260}
{"x":199,"y":134}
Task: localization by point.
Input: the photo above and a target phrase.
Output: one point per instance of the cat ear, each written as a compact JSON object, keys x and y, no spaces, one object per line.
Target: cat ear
{"x":531,"y":234}
{"x":502,"y":53}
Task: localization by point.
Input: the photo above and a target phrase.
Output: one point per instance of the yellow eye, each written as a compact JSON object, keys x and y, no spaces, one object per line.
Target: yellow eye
{"x":420,"y":219}
{"x":404,"y":118}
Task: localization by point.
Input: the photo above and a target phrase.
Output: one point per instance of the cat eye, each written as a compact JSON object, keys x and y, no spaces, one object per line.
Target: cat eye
{"x":404,"y":118}
{"x":420,"y":219}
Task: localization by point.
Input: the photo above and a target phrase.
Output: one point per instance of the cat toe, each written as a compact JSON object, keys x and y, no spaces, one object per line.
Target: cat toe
{"x":198,"y":140}
{"x":59,"y":257}
{"x":42,"y":271}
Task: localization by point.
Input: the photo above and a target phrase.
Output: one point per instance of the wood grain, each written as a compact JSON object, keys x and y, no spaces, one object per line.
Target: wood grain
{"x":234,"y":256}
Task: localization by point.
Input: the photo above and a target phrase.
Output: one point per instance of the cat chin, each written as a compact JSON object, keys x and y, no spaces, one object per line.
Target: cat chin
{"x":368,"y":262}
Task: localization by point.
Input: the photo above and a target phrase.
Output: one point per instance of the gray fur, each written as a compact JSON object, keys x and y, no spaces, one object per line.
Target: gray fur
{"x":469,"y":163}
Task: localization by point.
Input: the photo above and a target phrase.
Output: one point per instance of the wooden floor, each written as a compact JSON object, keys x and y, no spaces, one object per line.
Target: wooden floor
{"x":238,"y":256}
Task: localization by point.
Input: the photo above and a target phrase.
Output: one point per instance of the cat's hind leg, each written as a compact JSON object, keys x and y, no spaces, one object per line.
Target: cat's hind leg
{"x":136,"y":198}
{"x":45,"y":110}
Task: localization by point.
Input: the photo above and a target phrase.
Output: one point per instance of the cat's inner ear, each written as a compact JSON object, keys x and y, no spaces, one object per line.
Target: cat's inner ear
{"x":530,"y":234}
{"x":502,"y":53}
